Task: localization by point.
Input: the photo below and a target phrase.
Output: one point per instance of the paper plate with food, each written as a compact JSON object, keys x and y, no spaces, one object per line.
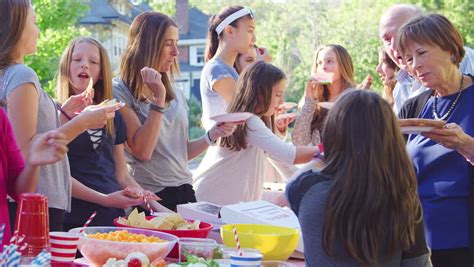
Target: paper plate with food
{"x":288,"y":105}
{"x":286,"y":116}
{"x":232,"y":117}
{"x":417,"y":126}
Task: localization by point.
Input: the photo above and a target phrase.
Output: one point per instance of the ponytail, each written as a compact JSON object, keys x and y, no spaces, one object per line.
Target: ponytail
{"x":212,"y":37}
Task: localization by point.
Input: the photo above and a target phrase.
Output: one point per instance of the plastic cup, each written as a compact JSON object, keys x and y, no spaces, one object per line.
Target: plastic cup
{"x":247,"y":259}
{"x":198,"y":247}
{"x":63,"y":246}
{"x":32,"y":222}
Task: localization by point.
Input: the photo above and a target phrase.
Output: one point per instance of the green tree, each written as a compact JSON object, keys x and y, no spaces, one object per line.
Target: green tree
{"x":164,"y":6}
{"x":57,"y":22}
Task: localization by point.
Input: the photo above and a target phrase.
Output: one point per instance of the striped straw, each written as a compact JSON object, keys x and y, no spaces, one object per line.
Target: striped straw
{"x":2,"y":231}
{"x":237,"y":239}
{"x":148,"y":205}
{"x":88,"y":221}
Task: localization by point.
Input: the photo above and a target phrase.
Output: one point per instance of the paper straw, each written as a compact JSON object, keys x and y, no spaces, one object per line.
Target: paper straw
{"x":88,"y":222}
{"x":237,"y":239}
{"x":2,"y":231}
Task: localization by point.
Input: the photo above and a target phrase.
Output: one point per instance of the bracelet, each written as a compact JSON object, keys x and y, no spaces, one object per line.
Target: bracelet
{"x":157,"y":108}
{"x":208,"y":139}
{"x":64,"y":113}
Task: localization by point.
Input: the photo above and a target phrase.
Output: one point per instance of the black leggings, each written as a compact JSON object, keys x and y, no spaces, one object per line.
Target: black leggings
{"x":459,"y":257}
{"x":173,"y":195}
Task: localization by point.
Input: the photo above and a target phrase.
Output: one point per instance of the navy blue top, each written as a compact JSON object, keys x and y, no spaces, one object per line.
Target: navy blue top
{"x":95,"y":168}
{"x":444,"y":176}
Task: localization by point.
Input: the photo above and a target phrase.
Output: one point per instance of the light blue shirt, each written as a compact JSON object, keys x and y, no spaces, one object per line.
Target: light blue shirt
{"x":408,"y":87}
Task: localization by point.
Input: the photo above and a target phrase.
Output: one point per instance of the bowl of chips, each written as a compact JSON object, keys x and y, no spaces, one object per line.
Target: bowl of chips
{"x":99,"y":244}
{"x":171,"y":223}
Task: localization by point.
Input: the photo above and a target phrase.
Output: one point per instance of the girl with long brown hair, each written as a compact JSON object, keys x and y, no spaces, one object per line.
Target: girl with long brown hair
{"x":234,"y":170}
{"x":32,"y":111}
{"x":231,"y":32}
{"x":331,"y":60}
{"x":362,"y":208}
{"x":156,"y":115}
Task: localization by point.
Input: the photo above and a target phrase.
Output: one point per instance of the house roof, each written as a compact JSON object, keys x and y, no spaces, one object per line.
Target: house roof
{"x":198,"y":25}
{"x":101,"y":12}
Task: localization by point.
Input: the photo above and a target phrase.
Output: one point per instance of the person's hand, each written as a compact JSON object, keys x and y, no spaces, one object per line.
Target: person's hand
{"x":120,"y":200}
{"x":76,"y":103}
{"x":223,"y":130}
{"x":47,"y":148}
{"x":451,"y":136}
{"x":311,"y":91}
{"x":152,"y":80}
{"x":366,"y":83}
{"x":283,"y":120}
{"x":263,"y":55}
{"x":96,"y":116}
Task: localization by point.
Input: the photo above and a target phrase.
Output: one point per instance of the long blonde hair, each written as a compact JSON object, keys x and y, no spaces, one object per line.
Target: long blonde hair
{"x":145,"y":43}
{"x":346,"y":69}
{"x":102,"y":87}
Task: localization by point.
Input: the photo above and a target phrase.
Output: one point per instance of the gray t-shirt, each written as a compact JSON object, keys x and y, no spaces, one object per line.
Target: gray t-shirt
{"x":169,"y":162}
{"x":55,"y":179}
{"x":213,"y":103}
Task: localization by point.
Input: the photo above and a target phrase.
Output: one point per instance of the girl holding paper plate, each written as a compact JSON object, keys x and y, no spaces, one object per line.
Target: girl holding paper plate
{"x":156,"y":115}
{"x":333,"y":72}
{"x":233,"y":171}
{"x":96,"y":156}
{"x":32,"y":111}
{"x":231,"y":32}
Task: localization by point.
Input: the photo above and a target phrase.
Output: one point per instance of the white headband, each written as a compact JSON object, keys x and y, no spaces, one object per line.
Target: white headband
{"x":233,"y":17}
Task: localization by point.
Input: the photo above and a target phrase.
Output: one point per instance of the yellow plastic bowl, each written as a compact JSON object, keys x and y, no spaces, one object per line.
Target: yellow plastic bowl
{"x":274,"y":242}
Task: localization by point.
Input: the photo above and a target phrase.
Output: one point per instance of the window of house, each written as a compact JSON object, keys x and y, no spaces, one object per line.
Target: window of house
{"x":196,"y":55}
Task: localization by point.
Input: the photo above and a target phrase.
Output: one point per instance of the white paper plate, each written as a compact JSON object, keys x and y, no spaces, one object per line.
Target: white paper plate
{"x":285,"y":116}
{"x":232,"y":117}
{"x":326,"y":105}
{"x":288,"y":105}
{"x":416,"y":129}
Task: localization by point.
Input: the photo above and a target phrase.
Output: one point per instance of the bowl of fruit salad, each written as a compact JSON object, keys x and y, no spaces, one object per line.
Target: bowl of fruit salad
{"x":99,"y":244}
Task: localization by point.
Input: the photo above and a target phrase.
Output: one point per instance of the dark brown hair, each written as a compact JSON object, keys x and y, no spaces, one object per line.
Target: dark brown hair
{"x":432,"y":29}
{"x":253,"y":94}
{"x":373,"y":205}
{"x":145,"y":43}
{"x":212,"y":36}
{"x":346,"y":68}
{"x":13,"y":15}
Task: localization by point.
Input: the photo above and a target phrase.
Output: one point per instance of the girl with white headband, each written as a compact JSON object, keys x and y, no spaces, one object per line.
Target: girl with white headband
{"x":231,"y":32}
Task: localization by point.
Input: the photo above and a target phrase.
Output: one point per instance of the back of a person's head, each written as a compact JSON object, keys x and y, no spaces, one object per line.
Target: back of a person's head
{"x":13,"y":15}
{"x":373,"y":204}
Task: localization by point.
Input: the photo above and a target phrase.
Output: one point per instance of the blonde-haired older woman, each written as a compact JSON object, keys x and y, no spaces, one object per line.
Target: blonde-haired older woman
{"x":433,"y":48}
{"x":332,"y":59}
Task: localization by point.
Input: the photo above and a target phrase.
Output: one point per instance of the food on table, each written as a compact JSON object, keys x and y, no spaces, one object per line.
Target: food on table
{"x":134,"y":259}
{"x":125,"y":236}
{"x":172,"y":221}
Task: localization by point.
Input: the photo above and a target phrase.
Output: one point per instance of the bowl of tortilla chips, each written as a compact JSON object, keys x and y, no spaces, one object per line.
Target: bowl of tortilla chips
{"x":171,"y":223}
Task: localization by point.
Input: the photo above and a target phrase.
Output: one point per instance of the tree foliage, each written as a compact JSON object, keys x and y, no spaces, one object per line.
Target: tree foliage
{"x":57,"y":22}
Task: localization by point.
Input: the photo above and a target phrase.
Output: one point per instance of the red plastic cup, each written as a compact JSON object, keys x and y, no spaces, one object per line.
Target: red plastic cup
{"x":32,"y":222}
{"x":63,"y":246}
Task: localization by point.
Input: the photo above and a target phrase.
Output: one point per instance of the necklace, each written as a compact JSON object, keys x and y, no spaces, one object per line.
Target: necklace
{"x":435,"y":103}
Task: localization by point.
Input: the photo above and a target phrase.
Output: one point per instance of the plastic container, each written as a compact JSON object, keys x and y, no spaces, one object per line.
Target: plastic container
{"x":199,"y":247}
{"x":202,"y":232}
{"x":274,"y":242}
{"x":97,"y":252}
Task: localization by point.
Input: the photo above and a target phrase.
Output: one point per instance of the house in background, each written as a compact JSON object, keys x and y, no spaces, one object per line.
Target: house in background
{"x":109,"y":21}
{"x":193,"y":25}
